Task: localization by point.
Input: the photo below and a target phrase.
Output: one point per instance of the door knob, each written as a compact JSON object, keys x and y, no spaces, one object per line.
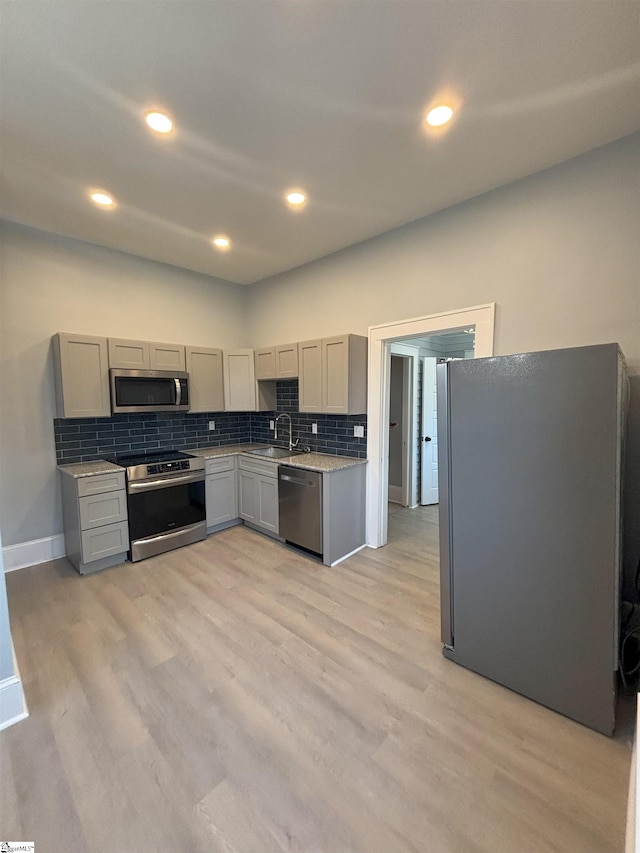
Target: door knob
{"x":427,"y":438}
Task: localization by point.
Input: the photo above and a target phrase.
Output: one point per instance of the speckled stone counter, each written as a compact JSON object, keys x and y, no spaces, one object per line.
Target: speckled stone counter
{"x":217,"y":452}
{"x":88,"y":469}
{"x":322,"y":462}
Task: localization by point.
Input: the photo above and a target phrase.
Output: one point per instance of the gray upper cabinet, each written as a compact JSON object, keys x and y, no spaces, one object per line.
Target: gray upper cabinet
{"x":287,"y":361}
{"x":128,"y":354}
{"x":279,"y":362}
{"x":333,"y":375}
{"x":204,"y":366}
{"x":166,"y":357}
{"x":265,"y":359}
{"x":82,"y":376}
{"x":310,"y":386}
{"x":344,"y":375}
{"x":242,"y":392}
{"x":239,"y":381}
{"x":145,"y":355}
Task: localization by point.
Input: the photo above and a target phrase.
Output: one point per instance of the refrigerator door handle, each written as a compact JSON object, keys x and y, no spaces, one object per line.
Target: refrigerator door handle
{"x":444,"y":495}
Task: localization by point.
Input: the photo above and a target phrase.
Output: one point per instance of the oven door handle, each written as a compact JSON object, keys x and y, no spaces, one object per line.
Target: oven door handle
{"x":150,"y":485}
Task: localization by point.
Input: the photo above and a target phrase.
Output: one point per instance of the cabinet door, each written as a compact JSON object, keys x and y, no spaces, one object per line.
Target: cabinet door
{"x":82,"y":376}
{"x":247,"y":496}
{"x":310,"y":364}
{"x":239,"y":381}
{"x":335,"y":375}
{"x":166,"y":356}
{"x":268,"y":510}
{"x":101,"y":542}
{"x":129,"y":355}
{"x":222,"y":498}
{"x":286,"y":361}
{"x":204,"y":366}
{"x":266,"y":363}
{"x":98,"y":510}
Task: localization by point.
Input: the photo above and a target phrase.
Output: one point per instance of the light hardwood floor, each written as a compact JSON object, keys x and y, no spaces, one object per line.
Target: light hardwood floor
{"x":236,"y":696}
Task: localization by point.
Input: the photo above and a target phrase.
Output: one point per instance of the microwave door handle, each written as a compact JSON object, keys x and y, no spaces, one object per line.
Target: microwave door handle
{"x":178,"y":391}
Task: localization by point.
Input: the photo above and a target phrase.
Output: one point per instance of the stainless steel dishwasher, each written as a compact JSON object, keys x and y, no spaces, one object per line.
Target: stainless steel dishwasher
{"x":300,"y":503}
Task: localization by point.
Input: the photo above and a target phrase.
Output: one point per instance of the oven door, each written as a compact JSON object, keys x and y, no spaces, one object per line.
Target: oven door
{"x":165,"y":513}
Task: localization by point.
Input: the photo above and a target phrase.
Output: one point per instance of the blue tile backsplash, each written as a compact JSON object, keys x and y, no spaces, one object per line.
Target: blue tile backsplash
{"x":86,"y":439}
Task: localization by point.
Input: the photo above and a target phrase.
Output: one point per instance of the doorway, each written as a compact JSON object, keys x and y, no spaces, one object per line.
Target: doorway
{"x":381,"y":341}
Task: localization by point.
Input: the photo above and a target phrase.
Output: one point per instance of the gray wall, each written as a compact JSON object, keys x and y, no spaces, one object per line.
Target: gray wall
{"x":52,"y":284}
{"x":558,"y":252}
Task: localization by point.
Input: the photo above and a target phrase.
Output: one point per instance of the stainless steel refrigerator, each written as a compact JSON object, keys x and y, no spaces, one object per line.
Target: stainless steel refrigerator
{"x":529,"y":455}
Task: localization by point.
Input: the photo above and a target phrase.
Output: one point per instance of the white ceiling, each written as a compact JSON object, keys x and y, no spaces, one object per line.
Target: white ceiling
{"x":272,"y":94}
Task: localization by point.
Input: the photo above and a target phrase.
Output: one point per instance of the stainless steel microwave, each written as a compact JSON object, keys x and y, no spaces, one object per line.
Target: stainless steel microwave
{"x":148,"y":391}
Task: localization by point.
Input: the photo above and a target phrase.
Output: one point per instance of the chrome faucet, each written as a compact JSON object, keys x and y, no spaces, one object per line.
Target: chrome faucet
{"x":292,"y":443}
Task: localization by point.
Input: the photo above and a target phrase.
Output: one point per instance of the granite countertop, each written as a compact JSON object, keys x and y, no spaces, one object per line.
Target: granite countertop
{"x":323,"y":462}
{"x":229,"y":450}
{"x":89,"y":469}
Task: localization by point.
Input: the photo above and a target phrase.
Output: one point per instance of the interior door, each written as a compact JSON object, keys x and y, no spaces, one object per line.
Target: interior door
{"x":429,"y":434}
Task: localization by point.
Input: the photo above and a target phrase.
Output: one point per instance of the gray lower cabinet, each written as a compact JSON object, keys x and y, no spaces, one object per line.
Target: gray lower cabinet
{"x":221,"y":493}
{"x":258,"y":493}
{"x":96,"y":531}
{"x":343,"y":512}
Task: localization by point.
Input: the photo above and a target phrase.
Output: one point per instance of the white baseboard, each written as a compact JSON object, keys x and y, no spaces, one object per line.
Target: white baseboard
{"x":31,"y":553}
{"x":395,"y":494}
{"x":13,"y":706}
{"x":350,"y":554}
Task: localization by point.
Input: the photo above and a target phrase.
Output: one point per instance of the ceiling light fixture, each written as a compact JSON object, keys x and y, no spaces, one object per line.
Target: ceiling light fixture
{"x":220,"y":241}
{"x":296,"y":198}
{"x":160,"y":122}
{"x":101,"y":198}
{"x":439,"y":115}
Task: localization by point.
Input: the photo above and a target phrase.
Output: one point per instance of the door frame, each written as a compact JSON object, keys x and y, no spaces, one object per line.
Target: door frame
{"x":410,"y":416}
{"x":380,"y":339}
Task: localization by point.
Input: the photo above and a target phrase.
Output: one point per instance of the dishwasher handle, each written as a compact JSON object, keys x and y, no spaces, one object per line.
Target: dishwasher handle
{"x":287,"y":478}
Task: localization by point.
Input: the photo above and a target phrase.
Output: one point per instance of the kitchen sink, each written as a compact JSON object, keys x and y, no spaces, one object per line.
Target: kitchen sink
{"x":272,"y":452}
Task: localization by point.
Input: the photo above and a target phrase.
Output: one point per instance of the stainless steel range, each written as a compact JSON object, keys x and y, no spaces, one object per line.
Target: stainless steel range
{"x":165,"y":501}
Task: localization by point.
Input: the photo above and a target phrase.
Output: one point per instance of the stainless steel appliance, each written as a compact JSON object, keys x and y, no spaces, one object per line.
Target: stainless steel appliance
{"x":300,"y":504}
{"x":530,"y":450}
{"x":148,"y":391}
{"x":165,"y":501}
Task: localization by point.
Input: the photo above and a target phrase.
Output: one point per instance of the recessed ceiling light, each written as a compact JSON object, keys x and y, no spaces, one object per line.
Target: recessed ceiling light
{"x":160,"y":122}
{"x":101,"y":198}
{"x":439,"y":115}
{"x":296,"y":198}
{"x":220,"y":241}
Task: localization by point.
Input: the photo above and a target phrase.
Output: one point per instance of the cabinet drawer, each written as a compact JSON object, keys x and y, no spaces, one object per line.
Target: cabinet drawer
{"x":258,"y":466}
{"x":105,"y":541}
{"x":100,"y":483}
{"x":217,"y":466}
{"x":107,"y":508}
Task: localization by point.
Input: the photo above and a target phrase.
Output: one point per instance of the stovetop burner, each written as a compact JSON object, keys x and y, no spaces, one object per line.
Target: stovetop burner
{"x":151,"y":457}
